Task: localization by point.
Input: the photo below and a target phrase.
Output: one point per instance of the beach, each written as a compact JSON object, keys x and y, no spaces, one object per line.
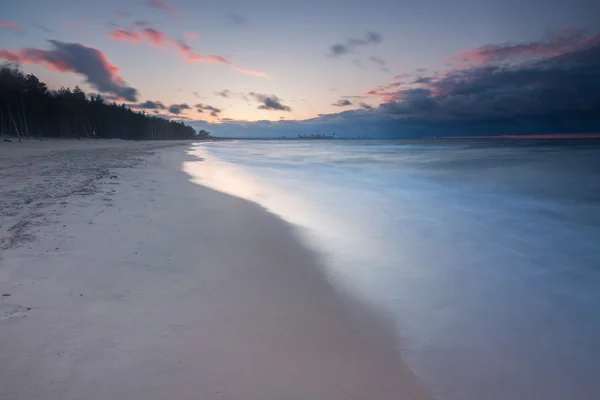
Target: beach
{"x":121,"y":278}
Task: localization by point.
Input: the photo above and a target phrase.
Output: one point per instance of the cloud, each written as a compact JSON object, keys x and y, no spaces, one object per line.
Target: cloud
{"x":224,"y":93}
{"x":196,"y":94}
{"x":160,"y":40}
{"x":511,"y":95}
{"x":380,"y":62}
{"x":125,"y":35}
{"x":561,"y":42}
{"x":149,"y":35}
{"x":10,"y":25}
{"x":162,"y":5}
{"x":339,"y":49}
{"x":122,"y":14}
{"x":204,"y":107}
{"x":269,"y":102}
{"x":210,"y":58}
{"x":423,"y":79}
{"x":178,"y":108}
{"x":377,"y":60}
{"x":150,"y":105}
{"x":558,"y":91}
{"x":354,"y":97}
{"x":237,"y":19}
{"x":190,"y":36}
{"x":250,"y":72}
{"x":155,"y":37}
{"x":44,"y":28}
{"x":342,"y":103}
{"x":80,"y":59}
{"x":183,"y":46}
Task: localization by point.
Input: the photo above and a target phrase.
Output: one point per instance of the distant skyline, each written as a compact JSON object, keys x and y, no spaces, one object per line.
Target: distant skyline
{"x":271,"y":68}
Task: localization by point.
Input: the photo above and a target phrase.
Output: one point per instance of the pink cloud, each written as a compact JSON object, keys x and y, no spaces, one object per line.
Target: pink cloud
{"x":250,"y":72}
{"x":183,"y":46}
{"x":155,"y":37}
{"x":77,"y":58}
{"x":125,"y":35}
{"x":161,"y":40}
{"x":37,"y":56}
{"x":150,"y":35}
{"x":211,"y":58}
{"x":162,"y":5}
{"x":10,"y":25}
{"x":403,"y":76}
{"x":190,"y":36}
{"x":565,"y":41}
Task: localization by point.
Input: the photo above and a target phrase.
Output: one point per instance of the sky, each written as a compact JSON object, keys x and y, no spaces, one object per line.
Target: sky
{"x":354,"y":68}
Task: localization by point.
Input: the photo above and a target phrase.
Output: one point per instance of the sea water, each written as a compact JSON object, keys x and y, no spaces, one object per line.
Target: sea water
{"x":486,"y":254}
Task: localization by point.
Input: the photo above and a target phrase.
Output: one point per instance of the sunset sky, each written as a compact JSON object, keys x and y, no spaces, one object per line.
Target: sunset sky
{"x":383,"y":65}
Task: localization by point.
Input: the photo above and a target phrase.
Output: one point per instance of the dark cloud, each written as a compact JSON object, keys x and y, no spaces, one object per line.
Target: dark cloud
{"x":237,"y":19}
{"x":380,"y":62}
{"x":269,"y":102}
{"x":377,"y":60}
{"x":151,"y":105}
{"x":339,"y":49}
{"x":77,"y":58}
{"x":224,"y":93}
{"x":44,"y":28}
{"x":214,"y":111}
{"x":562,"y":85}
{"x":556,"y":43}
{"x":342,"y":103}
{"x":354,"y":97}
{"x":554,"y":93}
{"x":196,"y":94}
{"x":558,"y":92}
{"x":423,"y":79}
{"x":178,"y":108}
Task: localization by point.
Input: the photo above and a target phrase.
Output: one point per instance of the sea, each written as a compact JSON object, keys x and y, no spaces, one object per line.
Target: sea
{"x":485,"y":254}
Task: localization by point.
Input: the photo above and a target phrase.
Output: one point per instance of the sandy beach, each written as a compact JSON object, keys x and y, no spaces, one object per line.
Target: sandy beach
{"x":121,"y":279}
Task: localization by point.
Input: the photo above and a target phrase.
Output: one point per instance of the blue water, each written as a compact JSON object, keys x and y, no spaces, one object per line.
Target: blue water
{"x":486,"y":255}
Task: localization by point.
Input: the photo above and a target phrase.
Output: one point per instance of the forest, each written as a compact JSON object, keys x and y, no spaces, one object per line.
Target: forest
{"x":29,"y":109}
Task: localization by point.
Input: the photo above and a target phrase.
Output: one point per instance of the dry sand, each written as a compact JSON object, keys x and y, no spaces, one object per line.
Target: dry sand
{"x":127,"y":281}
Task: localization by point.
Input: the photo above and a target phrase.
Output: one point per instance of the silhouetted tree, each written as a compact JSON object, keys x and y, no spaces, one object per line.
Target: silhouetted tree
{"x":28,"y":108}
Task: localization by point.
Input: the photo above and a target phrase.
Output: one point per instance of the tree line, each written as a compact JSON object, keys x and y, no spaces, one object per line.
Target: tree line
{"x":28,"y":108}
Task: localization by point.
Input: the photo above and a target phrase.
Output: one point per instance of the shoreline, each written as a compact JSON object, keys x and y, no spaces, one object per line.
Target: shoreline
{"x":144,"y":285}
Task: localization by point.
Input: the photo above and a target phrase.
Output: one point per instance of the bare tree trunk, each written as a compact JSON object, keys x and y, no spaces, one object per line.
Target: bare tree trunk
{"x":12,"y":118}
{"x":24,"y":116}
